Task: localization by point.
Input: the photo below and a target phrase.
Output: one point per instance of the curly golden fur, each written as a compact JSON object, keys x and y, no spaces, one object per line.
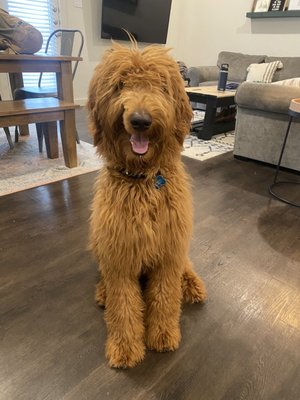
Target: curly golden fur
{"x":139,"y":115}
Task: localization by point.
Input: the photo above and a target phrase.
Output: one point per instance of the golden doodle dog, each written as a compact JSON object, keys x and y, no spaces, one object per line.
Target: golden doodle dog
{"x":141,"y":219}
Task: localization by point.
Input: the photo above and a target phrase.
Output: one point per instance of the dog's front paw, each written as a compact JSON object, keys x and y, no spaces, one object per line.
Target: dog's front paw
{"x":121,"y":355}
{"x":193,"y":289}
{"x":159,"y":340}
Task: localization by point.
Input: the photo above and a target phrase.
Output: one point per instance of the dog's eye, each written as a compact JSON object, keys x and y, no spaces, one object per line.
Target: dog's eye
{"x":118,"y":86}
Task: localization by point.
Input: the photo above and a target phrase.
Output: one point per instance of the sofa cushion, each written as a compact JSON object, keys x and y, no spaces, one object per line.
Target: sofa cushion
{"x":289,"y":82}
{"x":238,"y":64}
{"x":291,"y":67}
{"x":262,"y":73}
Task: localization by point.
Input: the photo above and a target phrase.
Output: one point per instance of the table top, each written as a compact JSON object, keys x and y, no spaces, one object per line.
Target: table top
{"x":35,"y":57}
{"x":19,"y":63}
{"x":37,"y":105}
{"x":210,"y":91}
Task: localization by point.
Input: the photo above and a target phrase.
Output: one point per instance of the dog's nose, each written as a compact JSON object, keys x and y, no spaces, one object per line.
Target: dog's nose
{"x":140,"y":120}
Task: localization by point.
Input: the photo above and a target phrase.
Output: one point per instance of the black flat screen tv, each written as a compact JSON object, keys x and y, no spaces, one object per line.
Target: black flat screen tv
{"x":146,"y":20}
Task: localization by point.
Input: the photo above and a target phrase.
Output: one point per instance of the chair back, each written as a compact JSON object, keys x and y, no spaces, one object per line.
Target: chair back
{"x":67,"y":37}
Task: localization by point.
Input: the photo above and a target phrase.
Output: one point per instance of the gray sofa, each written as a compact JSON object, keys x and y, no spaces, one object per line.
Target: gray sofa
{"x":238,"y":64}
{"x":262,"y":108}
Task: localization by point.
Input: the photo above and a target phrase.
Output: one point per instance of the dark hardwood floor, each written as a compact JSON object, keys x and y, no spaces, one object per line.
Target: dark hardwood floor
{"x":244,"y":343}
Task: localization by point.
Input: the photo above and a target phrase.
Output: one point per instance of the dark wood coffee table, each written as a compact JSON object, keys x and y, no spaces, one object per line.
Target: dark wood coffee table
{"x":213,"y":99}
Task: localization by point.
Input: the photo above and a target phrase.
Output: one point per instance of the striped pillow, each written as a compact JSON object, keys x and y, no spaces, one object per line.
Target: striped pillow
{"x":262,"y":73}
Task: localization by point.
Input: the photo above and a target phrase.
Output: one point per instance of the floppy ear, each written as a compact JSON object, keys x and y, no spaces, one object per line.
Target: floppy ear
{"x":183,"y":109}
{"x":100,"y":90}
{"x":94,"y":117}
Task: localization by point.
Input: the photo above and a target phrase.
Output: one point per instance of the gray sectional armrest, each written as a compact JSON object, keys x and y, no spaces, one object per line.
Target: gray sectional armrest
{"x":266,"y":96}
{"x":202,"y":74}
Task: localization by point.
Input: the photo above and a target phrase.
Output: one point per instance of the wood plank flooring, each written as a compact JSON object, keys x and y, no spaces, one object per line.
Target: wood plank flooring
{"x":244,"y":343}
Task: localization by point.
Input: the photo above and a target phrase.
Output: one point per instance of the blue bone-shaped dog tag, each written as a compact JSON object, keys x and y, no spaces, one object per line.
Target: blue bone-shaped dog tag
{"x":159,"y":181}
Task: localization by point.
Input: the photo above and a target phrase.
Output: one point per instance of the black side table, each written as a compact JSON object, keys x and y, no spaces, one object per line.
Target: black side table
{"x":294,"y":112}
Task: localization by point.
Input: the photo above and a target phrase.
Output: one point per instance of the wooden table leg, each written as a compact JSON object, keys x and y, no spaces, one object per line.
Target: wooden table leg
{"x":16,"y":81}
{"x":67,"y":127}
{"x":50,"y":134}
{"x":68,"y":138}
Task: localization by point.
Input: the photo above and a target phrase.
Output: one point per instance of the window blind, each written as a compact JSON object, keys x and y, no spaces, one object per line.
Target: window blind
{"x":43,"y":15}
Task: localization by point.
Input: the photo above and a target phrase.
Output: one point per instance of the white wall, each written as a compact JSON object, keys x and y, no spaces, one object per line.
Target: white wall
{"x":88,"y":20}
{"x":198,"y":31}
{"x":204,"y":28}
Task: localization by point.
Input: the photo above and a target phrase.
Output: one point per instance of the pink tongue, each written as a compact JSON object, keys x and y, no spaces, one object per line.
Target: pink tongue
{"x":139,"y":143}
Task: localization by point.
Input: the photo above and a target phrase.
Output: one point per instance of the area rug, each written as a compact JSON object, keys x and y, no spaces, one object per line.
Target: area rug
{"x":24,"y":167}
{"x":202,"y":150}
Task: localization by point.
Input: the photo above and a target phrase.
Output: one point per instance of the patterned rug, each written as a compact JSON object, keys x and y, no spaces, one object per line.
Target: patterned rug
{"x":204,"y":149}
{"x":24,"y":167}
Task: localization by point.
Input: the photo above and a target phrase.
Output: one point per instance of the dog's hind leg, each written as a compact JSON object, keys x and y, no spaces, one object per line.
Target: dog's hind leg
{"x":193,"y":288}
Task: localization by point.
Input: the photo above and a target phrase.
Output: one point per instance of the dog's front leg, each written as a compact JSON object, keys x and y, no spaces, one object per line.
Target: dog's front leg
{"x":124,"y":315}
{"x":163,"y":302}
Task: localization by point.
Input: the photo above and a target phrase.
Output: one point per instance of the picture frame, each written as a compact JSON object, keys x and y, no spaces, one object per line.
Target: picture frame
{"x":277,"y":5}
{"x":294,"y":5}
{"x":261,"y":5}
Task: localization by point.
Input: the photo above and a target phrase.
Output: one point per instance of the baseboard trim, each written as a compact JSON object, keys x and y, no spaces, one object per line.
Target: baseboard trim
{"x":266,"y":164}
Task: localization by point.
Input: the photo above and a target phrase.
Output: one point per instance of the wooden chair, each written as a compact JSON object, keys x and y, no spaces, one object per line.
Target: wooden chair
{"x":7,"y":133}
{"x":66,"y":45}
{"x":45,"y":111}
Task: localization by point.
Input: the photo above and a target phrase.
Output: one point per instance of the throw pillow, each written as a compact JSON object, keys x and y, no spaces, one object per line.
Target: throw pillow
{"x":262,"y":73}
{"x":288,"y":82}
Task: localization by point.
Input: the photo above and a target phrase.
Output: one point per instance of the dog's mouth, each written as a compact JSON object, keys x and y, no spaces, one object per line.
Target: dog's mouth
{"x":139,"y":143}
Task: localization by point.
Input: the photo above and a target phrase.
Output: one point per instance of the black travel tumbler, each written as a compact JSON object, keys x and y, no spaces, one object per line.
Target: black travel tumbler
{"x":223,"y":77}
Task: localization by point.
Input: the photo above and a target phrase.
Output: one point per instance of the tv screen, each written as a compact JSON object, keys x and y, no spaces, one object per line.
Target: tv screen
{"x":146,"y":20}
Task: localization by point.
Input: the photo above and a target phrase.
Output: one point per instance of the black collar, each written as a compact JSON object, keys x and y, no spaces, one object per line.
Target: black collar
{"x":131,"y":175}
{"x":159,"y":180}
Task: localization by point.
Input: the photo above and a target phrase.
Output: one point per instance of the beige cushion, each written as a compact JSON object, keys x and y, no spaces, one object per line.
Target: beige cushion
{"x":262,"y":73}
{"x":288,"y":82}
